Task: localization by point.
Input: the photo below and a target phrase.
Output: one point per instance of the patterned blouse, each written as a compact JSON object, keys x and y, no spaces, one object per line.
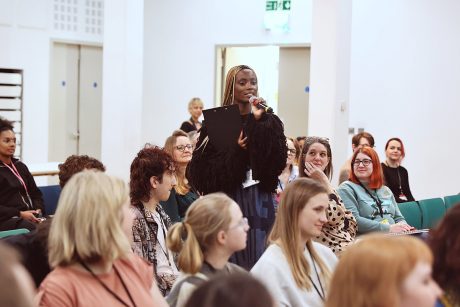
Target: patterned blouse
{"x":145,"y":241}
{"x":341,"y":228}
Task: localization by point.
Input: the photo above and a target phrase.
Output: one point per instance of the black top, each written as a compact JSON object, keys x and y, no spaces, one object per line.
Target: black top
{"x":223,"y":171}
{"x":188,"y":126}
{"x":13,"y":196}
{"x":176,"y":206}
{"x":397,"y":179}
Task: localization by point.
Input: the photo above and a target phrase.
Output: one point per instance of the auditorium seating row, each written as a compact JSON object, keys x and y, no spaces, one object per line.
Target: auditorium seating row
{"x":426,"y":213}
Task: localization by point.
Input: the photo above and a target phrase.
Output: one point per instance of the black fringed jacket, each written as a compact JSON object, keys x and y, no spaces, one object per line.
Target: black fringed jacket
{"x":213,"y":171}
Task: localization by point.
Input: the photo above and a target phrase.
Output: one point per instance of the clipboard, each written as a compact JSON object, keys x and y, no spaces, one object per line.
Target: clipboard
{"x":223,"y":125}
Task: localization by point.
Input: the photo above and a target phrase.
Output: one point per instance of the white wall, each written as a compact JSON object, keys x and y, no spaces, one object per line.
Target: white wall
{"x":25,"y":45}
{"x":179,"y":53}
{"x":405,"y":77}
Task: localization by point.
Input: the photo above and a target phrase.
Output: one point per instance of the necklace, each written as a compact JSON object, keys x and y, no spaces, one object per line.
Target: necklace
{"x":321,"y":294}
{"x":107,"y":288}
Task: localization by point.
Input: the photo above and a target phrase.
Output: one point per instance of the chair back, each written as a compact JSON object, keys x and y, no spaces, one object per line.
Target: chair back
{"x":412,"y":213}
{"x":433,"y":210}
{"x":50,"y":197}
{"x":451,"y":201}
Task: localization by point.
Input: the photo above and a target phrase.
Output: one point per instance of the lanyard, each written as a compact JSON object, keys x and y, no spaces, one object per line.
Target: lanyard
{"x":321,"y":294}
{"x":107,"y":288}
{"x":15,"y":172}
{"x":377,"y":200}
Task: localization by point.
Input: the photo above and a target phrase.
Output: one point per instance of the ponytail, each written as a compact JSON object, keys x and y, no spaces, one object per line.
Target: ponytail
{"x":181,"y":239}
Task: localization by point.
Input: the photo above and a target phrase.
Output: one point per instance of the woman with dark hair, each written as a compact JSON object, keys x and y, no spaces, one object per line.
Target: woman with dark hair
{"x":151,"y":181}
{"x":240,"y":290}
{"x":396,"y":176}
{"x":371,"y":202}
{"x":445,"y":245}
{"x":21,"y":201}
{"x":248,"y":171}
{"x":316,"y":163}
{"x":180,"y":147}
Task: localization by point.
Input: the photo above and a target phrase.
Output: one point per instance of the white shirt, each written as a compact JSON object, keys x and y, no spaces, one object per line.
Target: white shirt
{"x":163,"y":264}
{"x":273,"y":270}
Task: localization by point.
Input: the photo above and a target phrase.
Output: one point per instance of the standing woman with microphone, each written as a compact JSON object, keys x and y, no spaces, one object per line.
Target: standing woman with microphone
{"x":248,"y":171}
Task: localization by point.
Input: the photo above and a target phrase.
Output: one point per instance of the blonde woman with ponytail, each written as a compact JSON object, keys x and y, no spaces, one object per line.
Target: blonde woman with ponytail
{"x":213,"y":229}
{"x":295,"y":269}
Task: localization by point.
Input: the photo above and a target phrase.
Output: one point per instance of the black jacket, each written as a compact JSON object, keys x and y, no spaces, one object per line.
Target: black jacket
{"x":13,"y":196}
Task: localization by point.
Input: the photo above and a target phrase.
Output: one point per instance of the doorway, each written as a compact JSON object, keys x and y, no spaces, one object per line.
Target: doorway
{"x":283,"y":75}
{"x":75,"y":101}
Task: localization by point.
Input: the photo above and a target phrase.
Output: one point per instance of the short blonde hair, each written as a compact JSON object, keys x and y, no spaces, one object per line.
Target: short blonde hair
{"x":87,"y":225}
{"x":204,"y":219}
{"x":195,"y":101}
{"x":373,"y":270}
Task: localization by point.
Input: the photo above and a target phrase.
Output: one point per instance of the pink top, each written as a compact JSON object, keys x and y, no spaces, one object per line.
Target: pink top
{"x":67,"y":286}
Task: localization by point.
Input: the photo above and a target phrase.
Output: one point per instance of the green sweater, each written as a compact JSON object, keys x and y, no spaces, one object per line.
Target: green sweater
{"x":365,"y":208}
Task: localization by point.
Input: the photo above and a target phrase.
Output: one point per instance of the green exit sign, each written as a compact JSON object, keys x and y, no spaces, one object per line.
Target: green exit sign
{"x":272,"y":5}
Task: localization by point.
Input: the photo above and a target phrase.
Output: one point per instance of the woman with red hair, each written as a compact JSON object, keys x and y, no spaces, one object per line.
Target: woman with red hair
{"x":371,"y":202}
{"x":396,"y":176}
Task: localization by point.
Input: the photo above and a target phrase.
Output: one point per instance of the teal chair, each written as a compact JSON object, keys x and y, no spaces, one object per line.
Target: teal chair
{"x":433,"y":210}
{"x":412,"y":213}
{"x":451,"y":201}
{"x":7,"y":233}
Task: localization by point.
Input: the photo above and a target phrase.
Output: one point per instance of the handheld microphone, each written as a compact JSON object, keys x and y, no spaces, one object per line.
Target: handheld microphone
{"x":259,"y":103}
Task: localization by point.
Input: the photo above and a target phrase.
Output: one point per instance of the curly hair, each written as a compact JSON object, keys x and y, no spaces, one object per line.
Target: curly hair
{"x":5,"y":124}
{"x":150,"y":161}
{"x":445,"y":244}
{"x":75,"y":164}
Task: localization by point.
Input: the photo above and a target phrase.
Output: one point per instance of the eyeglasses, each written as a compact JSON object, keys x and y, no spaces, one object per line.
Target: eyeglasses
{"x":243,"y":222}
{"x":182,"y":147}
{"x":291,"y":151}
{"x":365,"y":162}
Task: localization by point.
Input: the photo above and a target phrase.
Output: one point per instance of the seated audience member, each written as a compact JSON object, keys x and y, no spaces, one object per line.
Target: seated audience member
{"x":384,"y":271}
{"x":316,"y":163}
{"x":16,"y":287}
{"x":195,"y":108}
{"x":75,"y":164}
{"x":179,"y":146}
{"x":445,"y":244}
{"x":372,"y":203}
{"x":151,"y":181}
{"x":214,"y":228}
{"x":290,"y":172}
{"x":358,"y":141}
{"x":90,"y":252}
{"x":240,"y":290}
{"x":295,"y":269}
{"x":33,"y":245}
{"x":396,"y":176}
{"x":21,"y":201}
{"x":300,"y":141}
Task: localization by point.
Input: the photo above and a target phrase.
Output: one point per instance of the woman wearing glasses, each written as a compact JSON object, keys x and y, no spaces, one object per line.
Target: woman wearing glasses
{"x":180,"y":147}
{"x":291,"y":171}
{"x":213,"y":229}
{"x":316,"y":163}
{"x":364,"y":194}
